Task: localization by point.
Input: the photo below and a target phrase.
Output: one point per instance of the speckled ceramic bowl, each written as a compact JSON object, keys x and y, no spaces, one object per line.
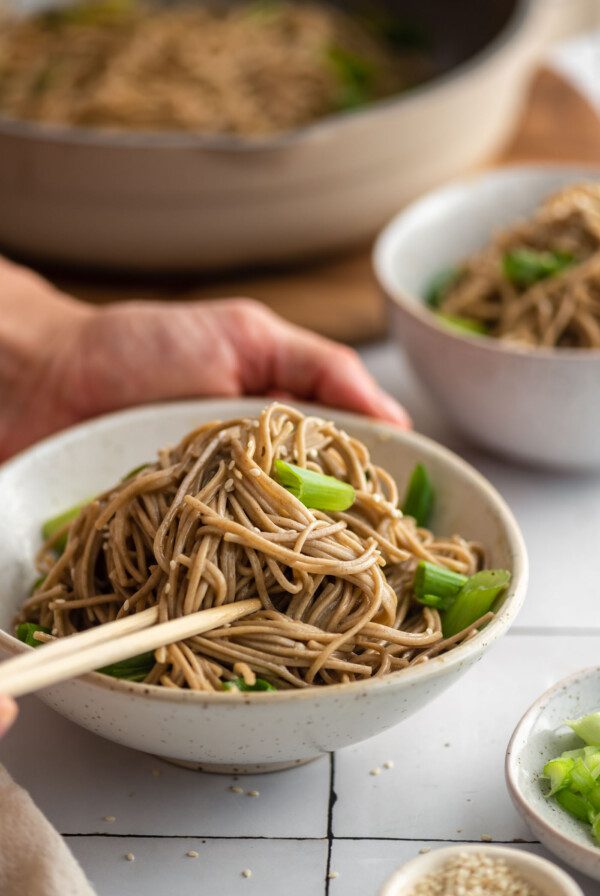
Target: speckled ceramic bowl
{"x":538,"y":405}
{"x":250,"y":731}
{"x":540,"y":736}
{"x":540,"y":873}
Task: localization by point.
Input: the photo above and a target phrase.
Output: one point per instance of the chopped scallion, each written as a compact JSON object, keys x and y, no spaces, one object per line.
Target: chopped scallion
{"x":476,"y":598}
{"x":238,"y":684}
{"x":440,"y":285}
{"x":53,"y":525}
{"x":587,"y":728}
{"x":26,"y":631}
{"x":574,"y":804}
{"x":462,"y":324}
{"x":437,"y":581}
{"x":134,"y":472}
{"x":419,"y":498}
{"x":525,"y":266}
{"x":136,"y":668}
{"x":314,"y":490}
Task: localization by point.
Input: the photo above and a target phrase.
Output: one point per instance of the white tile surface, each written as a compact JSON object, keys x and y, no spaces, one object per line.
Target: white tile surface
{"x":448,"y":775}
{"x":79,"y":778}
{"x":364,"y":865}
{"x":434,"y":792}
{"x":161,"y":867}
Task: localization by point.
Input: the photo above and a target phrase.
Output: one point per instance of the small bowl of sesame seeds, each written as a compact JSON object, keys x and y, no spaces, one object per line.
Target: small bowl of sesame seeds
{"x":476,"y":870}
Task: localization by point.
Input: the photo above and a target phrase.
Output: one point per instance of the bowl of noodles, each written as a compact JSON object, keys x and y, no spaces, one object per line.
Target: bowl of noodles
{"x":494,"y":288}
{"x":190,"y":135}
{"x":385,"y":566}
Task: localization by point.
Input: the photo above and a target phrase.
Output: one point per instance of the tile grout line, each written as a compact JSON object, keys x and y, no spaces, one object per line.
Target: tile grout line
{"x":330,"y":805}
{"x":329,"y":838}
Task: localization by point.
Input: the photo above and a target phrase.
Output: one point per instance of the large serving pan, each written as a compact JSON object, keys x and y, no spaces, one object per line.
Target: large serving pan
{"x":184,"y":201}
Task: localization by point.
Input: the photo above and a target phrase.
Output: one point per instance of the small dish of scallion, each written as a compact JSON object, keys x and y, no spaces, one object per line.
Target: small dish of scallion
{"x":553,"y":770}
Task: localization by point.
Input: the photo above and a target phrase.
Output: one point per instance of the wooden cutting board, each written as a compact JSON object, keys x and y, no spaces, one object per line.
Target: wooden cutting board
{"x":339,"y":297}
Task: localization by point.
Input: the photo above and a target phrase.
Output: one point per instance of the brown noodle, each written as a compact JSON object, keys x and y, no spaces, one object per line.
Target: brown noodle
{"x":249,"y":68}
{"x":206,"y":524}
{"x":562,"y":310}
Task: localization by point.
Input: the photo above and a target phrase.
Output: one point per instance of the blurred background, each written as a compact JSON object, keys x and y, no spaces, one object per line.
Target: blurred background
{"x":256,"y":148}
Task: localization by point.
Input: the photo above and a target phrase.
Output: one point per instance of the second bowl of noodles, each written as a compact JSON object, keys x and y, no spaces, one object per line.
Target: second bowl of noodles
{"x":368,"y":611}
{"x":512,"y":353}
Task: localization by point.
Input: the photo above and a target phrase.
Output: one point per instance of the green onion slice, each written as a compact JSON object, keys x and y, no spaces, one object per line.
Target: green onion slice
{"x":441,"y":284}
{"x":437,"y":581}
{"x":53,"y":525}
{"x":524,"y":266}
{"x":136,"y":668}
{"x":463,"y":325}
{"x":420,"y":497}
{"x":314,"y":490}
{"x":238,"y":684}
{"x":134,"y":472}
{"x":587,"y":728}
{"x":26,"y":631}
{"x":558,"y":771}
{"x":475,"y":598}
{"x":355,"y":76}
{"x":435,"y":601}
{"x":574,"y":804}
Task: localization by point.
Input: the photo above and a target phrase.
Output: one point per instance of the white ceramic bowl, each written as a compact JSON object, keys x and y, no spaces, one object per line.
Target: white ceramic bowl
{"x":546,"y":877}
{"x":245,"y":732}
{"x":541,"y":406}
{"x":177,"y":201}
{"x":540,"y":736}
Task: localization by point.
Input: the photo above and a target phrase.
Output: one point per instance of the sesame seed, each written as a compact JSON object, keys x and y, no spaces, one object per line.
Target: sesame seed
{"x":424,"y":850}
{"x":130,"y":857}
{"x":168,"y":588}
{"x":55,"y":632}
{"x":388,"y":764}
{"x":109,"y":818}
{"x":237,"y":474}
{"x":173,"y":564}
{"x":236,"y":789}
{"x":255,"y":471}
{"x":126,"y":606}
{"x":332,"y":875}
{"x":231,"y":465}
{"x":475,"y":874}
{"x":229,"y":485}
{"x":58,"y":601}
{"x":375,"y":771}
{"x":246,"y":873}
{"x":486,"y":838}
{"x":192,"y":854}
{"x":253,"y":793}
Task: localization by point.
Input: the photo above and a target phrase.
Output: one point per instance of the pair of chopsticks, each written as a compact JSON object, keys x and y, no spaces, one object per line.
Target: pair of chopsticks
{"x":110,"y":643}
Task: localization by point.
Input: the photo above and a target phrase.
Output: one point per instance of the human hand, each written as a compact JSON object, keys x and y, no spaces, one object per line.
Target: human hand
{"x":8,"y":713}
{"x":78,"y":361}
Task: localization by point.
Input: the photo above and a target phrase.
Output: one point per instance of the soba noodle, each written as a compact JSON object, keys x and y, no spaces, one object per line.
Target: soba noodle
{"x":249,"y":68}
{"x":206,"y":524}
{"x":557,"y":309}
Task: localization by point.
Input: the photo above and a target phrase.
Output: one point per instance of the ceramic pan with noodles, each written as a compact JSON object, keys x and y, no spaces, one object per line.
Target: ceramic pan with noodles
{"x":178,"y":194}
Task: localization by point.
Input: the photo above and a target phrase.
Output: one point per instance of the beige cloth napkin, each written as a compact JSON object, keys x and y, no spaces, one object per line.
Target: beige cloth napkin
{"x":34,"y":859}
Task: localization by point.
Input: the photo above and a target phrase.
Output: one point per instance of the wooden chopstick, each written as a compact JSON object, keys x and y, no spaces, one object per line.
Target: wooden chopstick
{"x":47,"y":665}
